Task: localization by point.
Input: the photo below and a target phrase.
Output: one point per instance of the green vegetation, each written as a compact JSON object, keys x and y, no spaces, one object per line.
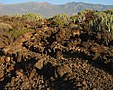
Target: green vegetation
{"x":75,"y":26}
{"x":81,"y":16}
{"x":30,"y":17}
{"x":103,"y":21}
{"x":16,"y":33}
{"x":94,"y":20}
{"x":5,"y":26}
{"x":109,"y":12}
{"x":60,"y":19}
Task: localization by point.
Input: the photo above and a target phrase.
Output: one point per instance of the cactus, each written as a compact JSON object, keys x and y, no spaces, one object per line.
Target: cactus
{"x":103,"y":20}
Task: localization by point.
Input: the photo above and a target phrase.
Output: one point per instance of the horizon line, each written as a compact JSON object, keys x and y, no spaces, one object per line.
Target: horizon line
{"x":52,"y":3}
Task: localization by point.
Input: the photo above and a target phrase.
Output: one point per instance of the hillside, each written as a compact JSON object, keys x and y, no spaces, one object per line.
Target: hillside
{"x":60,"y":53}
{"x":49,"y":10}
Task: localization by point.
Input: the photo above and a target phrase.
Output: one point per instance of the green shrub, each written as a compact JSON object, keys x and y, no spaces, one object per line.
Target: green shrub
{"x":32,"y":17}
{"x":60,"y":19}
{"x":109,"y":11}
{"x":103,"y":20}
{"x":81,"y":16}
{"x":5,"y":26}
{"x":74,"y":18}
{"x":17,"y":15}
{"x":83,"y":12}
{"x":75,"y":26}
{"x":16,"y":33}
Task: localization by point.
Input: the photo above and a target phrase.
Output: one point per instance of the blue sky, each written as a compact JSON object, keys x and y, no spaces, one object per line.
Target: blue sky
{"x":106,"y":2}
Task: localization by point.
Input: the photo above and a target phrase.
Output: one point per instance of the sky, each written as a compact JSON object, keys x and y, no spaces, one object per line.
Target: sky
{"x":105,"y":2}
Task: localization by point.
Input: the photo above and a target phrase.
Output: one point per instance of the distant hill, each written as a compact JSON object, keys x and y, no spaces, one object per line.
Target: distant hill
{"x":48,"y":9}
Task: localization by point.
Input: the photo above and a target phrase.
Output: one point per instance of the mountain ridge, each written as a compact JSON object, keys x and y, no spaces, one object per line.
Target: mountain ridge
{"x":48,"y":10}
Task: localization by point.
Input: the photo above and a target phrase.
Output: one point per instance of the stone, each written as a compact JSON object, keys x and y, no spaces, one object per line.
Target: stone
{"x":8,"y":59}
{"x":39,"y":64}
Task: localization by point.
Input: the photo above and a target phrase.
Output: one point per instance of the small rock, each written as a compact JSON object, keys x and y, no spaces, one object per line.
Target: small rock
{"x":86,"y":71}
{"x":8,"y":59}
{"x":1,"y":75}
{"x":39,"y":64}
{"x":2,"y":60}
{"x":64,"y":69}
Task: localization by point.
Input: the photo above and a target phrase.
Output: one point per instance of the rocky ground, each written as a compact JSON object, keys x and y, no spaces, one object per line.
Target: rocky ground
{"x":53,"y":58}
